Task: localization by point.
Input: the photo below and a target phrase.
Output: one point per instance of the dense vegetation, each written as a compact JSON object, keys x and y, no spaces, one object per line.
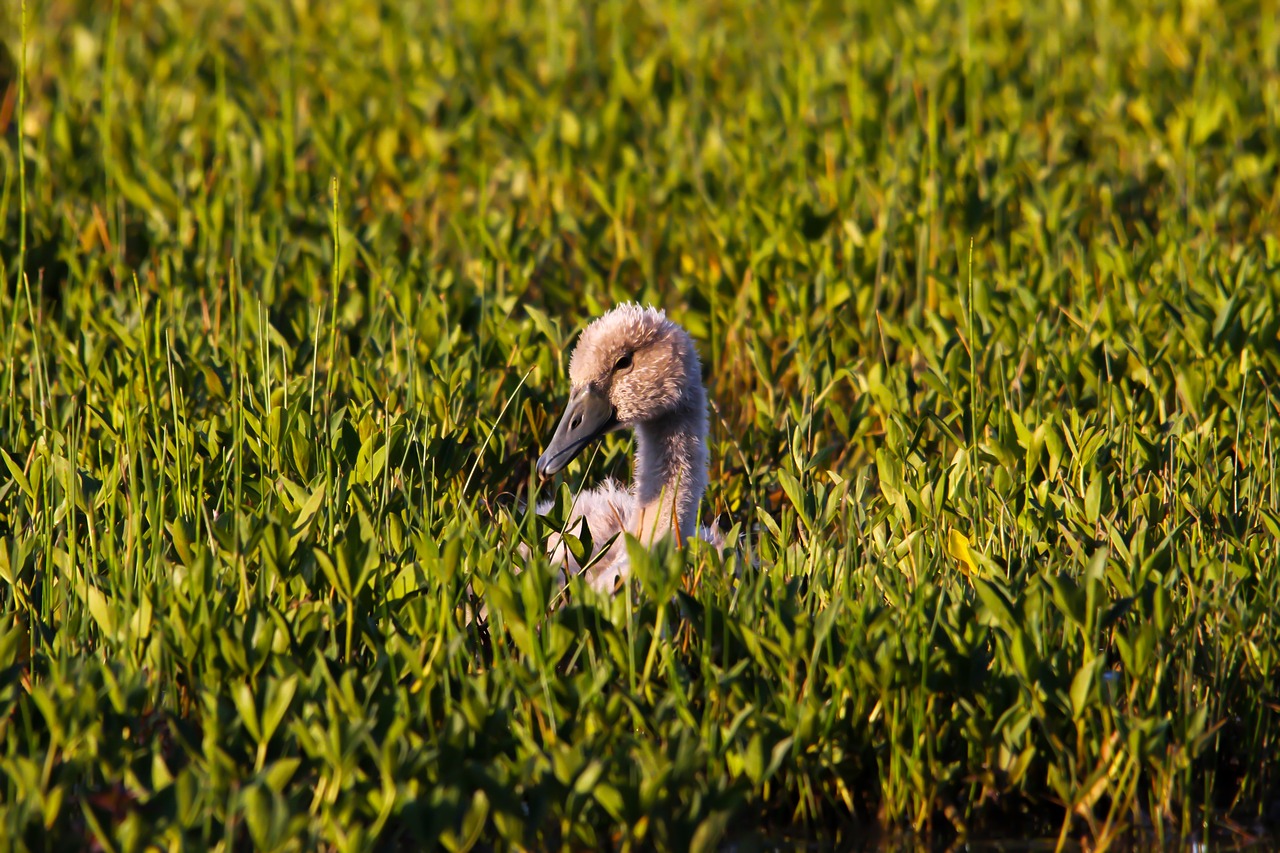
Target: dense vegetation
{"x":988,"y":296}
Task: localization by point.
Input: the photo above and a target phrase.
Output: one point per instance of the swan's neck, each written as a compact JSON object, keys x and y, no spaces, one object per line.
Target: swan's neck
{"x":671,"y":471}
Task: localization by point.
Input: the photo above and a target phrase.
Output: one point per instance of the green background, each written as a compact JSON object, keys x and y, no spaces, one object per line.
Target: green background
{"x":288,"y":290}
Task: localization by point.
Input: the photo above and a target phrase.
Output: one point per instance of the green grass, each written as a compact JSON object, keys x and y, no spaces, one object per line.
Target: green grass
{"x":288,"y":290}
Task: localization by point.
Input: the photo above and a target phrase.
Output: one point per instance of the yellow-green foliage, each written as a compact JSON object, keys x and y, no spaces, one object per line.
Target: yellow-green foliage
{"x":987,"y":295}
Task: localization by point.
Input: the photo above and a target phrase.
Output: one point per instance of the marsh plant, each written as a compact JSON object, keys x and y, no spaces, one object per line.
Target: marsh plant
{"x":986,"y":299}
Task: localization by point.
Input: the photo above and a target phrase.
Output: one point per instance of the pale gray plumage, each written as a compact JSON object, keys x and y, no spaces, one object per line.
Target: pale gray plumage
{"x":634,"y":368}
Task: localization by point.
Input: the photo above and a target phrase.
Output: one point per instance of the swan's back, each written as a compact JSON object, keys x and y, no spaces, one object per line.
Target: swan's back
{"x":606,"y":509}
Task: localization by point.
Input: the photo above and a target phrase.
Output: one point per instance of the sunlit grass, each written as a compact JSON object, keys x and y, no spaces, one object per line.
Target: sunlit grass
{"x":987,"y":301}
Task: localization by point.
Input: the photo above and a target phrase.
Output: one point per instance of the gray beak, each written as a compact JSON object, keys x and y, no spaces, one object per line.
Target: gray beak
{"x":588,"y":416}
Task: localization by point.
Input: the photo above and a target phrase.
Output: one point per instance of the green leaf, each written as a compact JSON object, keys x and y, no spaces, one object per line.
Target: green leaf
{"x":710,"y":831}
{"x":258,"y":816}
{"x":1082,"y":685}
{"x":281,"y":696}
{"x":474,"y":822}
{"x":994,"y":602}
{"x":100,"y":609}
{"x":587,"y":779}
{"x":242,"y":697}
{"x":280,"y":773}
{"x":18,"y":476}
{"x":308,"y":511}
{"x":334,"y":571}
{"x":1093,"y":499}
{"x":609,"y":799}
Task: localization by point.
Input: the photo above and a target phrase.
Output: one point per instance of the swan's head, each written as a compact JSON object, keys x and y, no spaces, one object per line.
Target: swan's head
{"x":632,"y":365}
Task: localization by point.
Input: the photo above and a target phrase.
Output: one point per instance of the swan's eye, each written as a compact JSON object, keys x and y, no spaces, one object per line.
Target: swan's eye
{"x":623,"y":363}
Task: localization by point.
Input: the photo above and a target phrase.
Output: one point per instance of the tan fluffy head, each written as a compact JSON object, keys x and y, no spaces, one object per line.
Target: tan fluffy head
{"x":646,"y":364}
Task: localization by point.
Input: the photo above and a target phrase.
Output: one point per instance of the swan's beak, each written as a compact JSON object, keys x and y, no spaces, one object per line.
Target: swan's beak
{"x":588,"y":416}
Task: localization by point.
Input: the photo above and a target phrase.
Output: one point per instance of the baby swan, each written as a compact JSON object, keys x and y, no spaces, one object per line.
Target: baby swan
{"x":634,"y":369}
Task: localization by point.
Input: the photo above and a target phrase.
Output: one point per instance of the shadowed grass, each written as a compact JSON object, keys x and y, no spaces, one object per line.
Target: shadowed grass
{"x":987,"y":299}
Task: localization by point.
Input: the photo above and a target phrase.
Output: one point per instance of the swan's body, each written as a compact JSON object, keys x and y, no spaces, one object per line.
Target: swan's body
{"x":634,"y":369}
